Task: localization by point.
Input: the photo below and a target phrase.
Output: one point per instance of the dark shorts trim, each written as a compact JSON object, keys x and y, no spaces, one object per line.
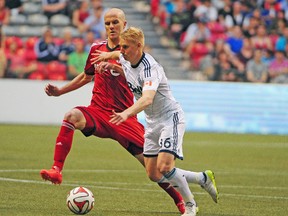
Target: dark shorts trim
{"x":145,"y":155}
{"x":171,"y":152}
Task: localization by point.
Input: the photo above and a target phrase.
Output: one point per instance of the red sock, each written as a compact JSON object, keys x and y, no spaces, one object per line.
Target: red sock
{"x":176,"y":196}
{"x":63,"y":144}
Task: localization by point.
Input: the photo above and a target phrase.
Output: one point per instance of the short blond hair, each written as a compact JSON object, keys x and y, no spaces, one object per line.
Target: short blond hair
{"x":134,"y":35}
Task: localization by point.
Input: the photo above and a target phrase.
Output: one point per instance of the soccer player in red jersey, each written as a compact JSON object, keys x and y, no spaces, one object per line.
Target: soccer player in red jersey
{"x":110,"y":92}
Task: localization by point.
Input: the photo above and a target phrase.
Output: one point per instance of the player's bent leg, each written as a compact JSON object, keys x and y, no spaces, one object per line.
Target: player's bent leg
{"x":210,"y":185}
{"x":63,"y":145}
{"x":166,"y":165}
{"x":76,"y":117}
{"x":154,"y":175}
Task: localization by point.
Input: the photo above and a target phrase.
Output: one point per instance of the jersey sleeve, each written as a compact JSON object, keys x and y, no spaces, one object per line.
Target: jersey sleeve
{"x":152,"y":78}
{"x":89,"y":68}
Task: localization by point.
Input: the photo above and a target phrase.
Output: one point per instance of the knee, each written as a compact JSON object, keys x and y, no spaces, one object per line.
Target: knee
{"x":164,"y":168}
{"x":153,"y":176}
{"x":72,"y":116}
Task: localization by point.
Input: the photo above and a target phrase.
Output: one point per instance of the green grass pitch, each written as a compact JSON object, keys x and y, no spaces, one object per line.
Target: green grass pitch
{"x":251,"y":173}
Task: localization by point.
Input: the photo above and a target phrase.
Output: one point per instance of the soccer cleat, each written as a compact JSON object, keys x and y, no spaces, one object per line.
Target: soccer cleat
{"x":190,"y":209}
{"x":181,"y":206}
{"x":210,"y":185}
{"x":52,"y":175}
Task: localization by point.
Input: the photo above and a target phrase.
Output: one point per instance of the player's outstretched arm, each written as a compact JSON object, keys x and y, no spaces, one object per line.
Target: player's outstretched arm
{"x":141,"y":104}
{"x":79,"y":81}
{"x":100,"y":56}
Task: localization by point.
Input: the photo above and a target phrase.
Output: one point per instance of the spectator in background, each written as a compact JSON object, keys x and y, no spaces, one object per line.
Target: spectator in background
{"x":235,"y":40}
{"x":67,"y":46}
{"x":270,"y":8}
{"x":179,"y":21}
{"x":218,"y":4}
{"x":226,"y":69}
{"x":89,"y":40}
{"x":207,"y":64}
{"x":15,"y":6}
{"x":2,"y":38}
{"x":77,"y":59}
{"x":250,"y":30}
{"x":282,"y":41}
{"x":80,"y":14}
{"x":237,"y":17}
{"x":46,"y":50}
{"x":278,"y":68}
{"x":3,"y":63}
{"x":267,"y":56}
{"x":262,"y":40}
{"x":71,"y":6}
{"x":246,"y":52}
{"x":17,"y":65}
{"x":4,"y":13}
{"x":256,"y":70}
{"x":207,"y":10}
{"x":226,"y":9}
{"x":196,"y":32}
{"x":278,"y":23}
{"x":53,"y":7}
{"x":3,"y":59}
{"x":95,"y":22}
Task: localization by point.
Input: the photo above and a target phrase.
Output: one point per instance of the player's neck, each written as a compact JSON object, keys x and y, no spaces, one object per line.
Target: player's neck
{"x":136,"y":60}
{"x":113,"y":43}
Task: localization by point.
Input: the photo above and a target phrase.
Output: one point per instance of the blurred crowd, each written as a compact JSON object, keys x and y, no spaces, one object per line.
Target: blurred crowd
{"x":229,"y":40}
{"x":50,"y":56}
{"x":222,"y":40}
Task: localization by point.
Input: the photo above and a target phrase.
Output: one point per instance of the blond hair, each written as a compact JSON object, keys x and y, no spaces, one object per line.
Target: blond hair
{"x":134,"y":35}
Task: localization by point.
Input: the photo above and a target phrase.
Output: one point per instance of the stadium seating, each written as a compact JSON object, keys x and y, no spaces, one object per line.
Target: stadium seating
{"x":37,"y":19}
{"x":56,"y":70}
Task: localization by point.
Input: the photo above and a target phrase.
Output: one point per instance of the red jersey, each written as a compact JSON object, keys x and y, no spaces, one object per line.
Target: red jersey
{"x":110,"y":91}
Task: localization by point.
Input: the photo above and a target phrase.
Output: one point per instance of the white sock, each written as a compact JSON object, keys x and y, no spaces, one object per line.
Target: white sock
{"x":193,"y":177}
{"x":178,"y":181}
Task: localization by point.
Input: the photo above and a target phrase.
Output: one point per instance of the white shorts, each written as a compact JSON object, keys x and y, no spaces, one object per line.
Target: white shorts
{"x":165,"y":134}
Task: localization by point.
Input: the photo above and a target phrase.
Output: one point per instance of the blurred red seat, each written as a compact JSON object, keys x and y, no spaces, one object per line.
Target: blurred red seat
{"x":274,"y":38}
{"x":10,"y":40}
{"x":40,"y":73}
{"x":197,"y":52}
{"x":56,"y":71}
{"x":30,"y":55}
{"x":37,"y":75}
{"x":58,"y":41}
{"x":214,"y":37}
{"x":216,"y":27}
{"x":30,"y":43}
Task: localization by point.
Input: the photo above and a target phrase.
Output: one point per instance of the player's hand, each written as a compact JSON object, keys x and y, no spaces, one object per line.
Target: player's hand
{"x":118,"y":118}
{"x":102,"y":66}
{"x":99,"y":56}
{"x":52,"y":90}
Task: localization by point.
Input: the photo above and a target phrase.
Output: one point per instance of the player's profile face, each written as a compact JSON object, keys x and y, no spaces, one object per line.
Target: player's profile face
{"x":128,"y":50}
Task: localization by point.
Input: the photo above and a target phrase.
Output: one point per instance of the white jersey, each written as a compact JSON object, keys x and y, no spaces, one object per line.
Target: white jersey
{"x":149,"y":75}
{"x":164,"y":117}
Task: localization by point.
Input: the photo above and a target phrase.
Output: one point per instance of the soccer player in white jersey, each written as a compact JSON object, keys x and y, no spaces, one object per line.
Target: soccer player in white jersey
{"x":163,"y":114}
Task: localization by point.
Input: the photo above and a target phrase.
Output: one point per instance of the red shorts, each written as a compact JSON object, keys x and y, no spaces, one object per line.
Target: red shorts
{"x":130,"y":134}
